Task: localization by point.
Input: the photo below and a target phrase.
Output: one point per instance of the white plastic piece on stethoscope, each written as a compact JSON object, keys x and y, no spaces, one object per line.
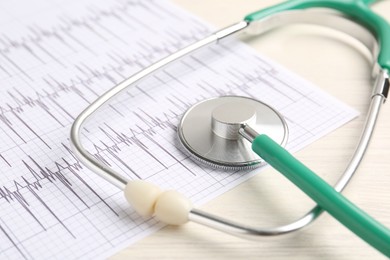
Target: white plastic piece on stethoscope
{"x":147,"y":199}
{"x":172,"y":208}
{"x":142,"y":196}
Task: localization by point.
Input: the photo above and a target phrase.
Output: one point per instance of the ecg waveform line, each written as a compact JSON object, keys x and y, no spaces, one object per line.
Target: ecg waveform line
{"x":27,"y":101}
{"x":44,"y":173}
{"x":36,"y":36}
{"x":41,"y":173}
{"x":42,"y":101}
{"x":117,"y":138}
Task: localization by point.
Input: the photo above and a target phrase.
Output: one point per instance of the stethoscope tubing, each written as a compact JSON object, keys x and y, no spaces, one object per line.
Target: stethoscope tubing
{"x":377,"y":99}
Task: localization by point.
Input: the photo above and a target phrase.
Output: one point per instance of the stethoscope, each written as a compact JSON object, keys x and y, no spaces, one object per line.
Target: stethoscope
{"x":239,"y":132}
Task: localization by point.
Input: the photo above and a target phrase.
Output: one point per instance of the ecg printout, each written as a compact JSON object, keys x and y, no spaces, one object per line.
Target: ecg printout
{"x":56,"y":57}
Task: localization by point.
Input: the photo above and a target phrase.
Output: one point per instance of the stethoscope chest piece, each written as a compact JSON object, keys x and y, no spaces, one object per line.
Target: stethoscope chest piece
{"x":209,"y":130}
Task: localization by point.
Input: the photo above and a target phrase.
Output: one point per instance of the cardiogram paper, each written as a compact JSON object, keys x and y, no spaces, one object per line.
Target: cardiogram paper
{"x":56,"y":57}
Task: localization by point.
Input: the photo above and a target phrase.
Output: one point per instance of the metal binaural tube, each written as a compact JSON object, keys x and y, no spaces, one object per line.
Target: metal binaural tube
{"x":86,"y":158}
{"x":248,"y":132}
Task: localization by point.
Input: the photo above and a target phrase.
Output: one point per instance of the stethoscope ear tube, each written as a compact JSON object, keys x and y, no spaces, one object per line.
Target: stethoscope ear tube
{"x":357,"y":10}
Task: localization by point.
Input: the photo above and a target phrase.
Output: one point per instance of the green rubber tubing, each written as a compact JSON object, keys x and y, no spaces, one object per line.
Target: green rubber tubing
{"x":348,"y":214}
{"x":358,"y":10}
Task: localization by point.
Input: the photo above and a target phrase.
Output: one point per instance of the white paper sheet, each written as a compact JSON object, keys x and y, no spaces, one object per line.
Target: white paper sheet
{"x":58,"y":56}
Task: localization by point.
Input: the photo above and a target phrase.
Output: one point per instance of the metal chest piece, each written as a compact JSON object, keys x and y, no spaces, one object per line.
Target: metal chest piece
{"x":209,"y":130}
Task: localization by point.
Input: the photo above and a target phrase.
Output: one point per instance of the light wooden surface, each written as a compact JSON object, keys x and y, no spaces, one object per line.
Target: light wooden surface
{"x":268,"y":199}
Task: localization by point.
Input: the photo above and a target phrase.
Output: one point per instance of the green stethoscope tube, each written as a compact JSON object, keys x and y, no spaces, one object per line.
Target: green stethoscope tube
{"x":328,"y":198}
{"x":357,"y":9}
